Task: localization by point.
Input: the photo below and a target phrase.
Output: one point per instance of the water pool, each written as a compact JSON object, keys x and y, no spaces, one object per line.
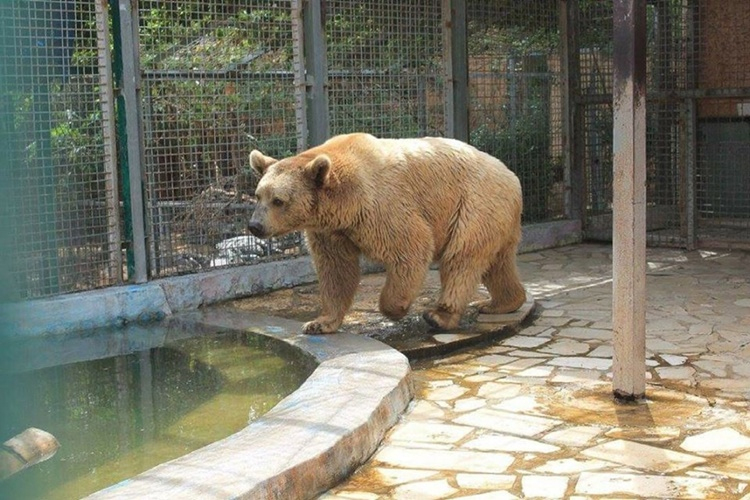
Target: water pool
{"x":120,"y":402}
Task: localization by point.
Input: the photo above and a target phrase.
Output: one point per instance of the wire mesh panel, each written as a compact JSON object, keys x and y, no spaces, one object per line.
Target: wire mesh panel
{"x":59,"y":202}
{"x":516,"y":99}
{"x":385,"y":67}
{"x":218,"y":82}
{"x":595,"y":99}
{"x":723,"y":121}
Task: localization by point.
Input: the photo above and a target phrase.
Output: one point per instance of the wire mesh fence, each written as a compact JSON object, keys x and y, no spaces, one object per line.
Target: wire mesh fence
{"x":698,"y":133}
{"x":723,"y":122}
{"x":218,"y":78}
{"x":218,"y":82}
{"x":516,"y":98}
{"x":385,"y":67}
{"x":61,"y":221}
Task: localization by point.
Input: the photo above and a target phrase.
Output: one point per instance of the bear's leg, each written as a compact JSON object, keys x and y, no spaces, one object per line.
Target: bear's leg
{"x":459,"y":277}
{"x":337,"y":264}
{"x":403,"y":282}
{"x":504,"y":285}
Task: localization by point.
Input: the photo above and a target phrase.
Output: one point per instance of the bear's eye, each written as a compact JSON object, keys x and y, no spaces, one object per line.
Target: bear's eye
{"x":277,"y":202}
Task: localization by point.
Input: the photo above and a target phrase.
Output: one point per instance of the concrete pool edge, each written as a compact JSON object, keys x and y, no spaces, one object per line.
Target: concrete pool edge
{"x":306,"y":444}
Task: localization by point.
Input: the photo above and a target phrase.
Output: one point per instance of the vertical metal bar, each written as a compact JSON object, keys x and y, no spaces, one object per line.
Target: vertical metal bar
{"x":629,"y":231}
{"x":456,"y":63}
{"x":130,"y":100}
{"x":691,"y":127}
{"x":300,"y":87}
{"x":690,"y":172}
{"x":107,"y":99}
{"x":316,"y":78}
{"x":571,"y":112}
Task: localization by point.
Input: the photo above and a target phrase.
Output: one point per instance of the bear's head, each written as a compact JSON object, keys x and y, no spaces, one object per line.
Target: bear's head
{"x":287,"y":192}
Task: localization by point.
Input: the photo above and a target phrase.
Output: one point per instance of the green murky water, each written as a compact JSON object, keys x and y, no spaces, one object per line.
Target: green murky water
{"x":118,"y":415}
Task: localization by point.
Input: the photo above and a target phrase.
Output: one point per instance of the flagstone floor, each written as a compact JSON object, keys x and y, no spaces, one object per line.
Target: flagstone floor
{"x":532,"y":416}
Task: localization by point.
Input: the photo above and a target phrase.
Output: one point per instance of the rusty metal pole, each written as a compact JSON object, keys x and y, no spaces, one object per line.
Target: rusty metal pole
{"x":629,"y":229}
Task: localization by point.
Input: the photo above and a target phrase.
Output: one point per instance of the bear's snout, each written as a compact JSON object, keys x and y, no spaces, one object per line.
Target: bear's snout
{"x":257,"y":229}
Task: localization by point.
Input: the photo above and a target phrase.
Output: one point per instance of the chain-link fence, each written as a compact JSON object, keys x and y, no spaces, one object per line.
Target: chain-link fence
{"x":385,"y":67}
{"x":60,"y":208}
{"x":214,"y":79}
{"x":698,"y":132}
{"x":515,"y":96}
{"x":217,"y":79}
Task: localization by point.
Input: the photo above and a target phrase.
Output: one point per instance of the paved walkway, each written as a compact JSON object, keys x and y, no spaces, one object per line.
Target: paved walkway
{"x":532,"y":416}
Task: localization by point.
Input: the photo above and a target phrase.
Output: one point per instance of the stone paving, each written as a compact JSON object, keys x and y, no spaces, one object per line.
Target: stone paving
{"x":532,"y":416}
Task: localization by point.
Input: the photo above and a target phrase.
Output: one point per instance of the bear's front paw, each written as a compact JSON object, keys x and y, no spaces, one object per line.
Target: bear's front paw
{"x":442,"y":320}
{"x":320,"y":326}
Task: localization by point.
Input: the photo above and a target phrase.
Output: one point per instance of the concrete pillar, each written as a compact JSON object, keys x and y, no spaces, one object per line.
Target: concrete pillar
{"x":629,"y":229}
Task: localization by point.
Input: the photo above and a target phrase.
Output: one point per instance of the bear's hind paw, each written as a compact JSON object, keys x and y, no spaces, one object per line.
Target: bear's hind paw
{"x":320,"y":327}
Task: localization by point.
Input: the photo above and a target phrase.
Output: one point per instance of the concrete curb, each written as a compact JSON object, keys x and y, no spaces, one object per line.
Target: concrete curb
{"x":308,"y":442}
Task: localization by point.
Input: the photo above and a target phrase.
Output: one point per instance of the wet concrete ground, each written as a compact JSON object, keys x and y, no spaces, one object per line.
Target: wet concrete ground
{"x":531,"y":415}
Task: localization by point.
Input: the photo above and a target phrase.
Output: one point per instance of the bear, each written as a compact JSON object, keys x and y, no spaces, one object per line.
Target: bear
{"x":403,"y":203}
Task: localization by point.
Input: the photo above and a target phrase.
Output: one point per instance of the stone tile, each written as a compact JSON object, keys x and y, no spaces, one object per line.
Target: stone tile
{"x":522,"y":364}
{"x":521,"y":404}
{"x":502,"y":421}
{"x":572,"y":466}
{"x":494,"y":495}
{"x":660,"y":434}
{"x":522,"y":341}
{"x":485,"y":481}
{"x":544,"y":486}
{"x":567,"y":376}
{"x":497,"y":390}
{"x":504,"y":442}
{"x":445,"y":393}
{"x":642,"y":456}
{"x":573,"y":436}
{"x":579,"y":362}
{"x":465,"y":461}
{"x":528,"y":354}
{"x":482,"y":377}
{"x":424,"y":490}
{"x":494,"y":360}
{"x":673,"y":359}
{"x":468,"y":404}
{"x":716,"y":368}
{"x":716,"y":442}
{"x":426,"y":410}
{"x":585,"y":333}
{"x":676,"y":372}
{"x":537,"y":371}
{"x":603,"y":351}
{"x":566,"y":347}
{"x":646,"y":486}
{"x":446,"y":338}
{"x":394,"y":477}
{"x":429,"y":433}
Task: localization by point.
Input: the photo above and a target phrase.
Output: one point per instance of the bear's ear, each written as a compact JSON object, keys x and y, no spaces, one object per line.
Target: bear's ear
{"x":318,"y":170}
{"x":260,"y":162}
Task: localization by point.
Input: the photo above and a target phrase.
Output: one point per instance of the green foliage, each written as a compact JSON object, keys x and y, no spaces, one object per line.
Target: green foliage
{"x":524,"y":146}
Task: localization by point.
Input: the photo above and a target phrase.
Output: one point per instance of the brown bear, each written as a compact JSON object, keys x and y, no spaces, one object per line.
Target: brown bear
{"x":404,"y":203}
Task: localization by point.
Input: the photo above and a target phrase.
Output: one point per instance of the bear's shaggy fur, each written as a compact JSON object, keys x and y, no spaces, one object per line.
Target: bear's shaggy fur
{"x":403,"y":203}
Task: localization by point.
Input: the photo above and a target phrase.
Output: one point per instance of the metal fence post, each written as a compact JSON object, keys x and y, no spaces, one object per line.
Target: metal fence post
{"x":110,"y":143}
{"x":456,"y":62}
{"x":316,"y":72}
{"x":127,"y":70}
{"x":629,"y":207}
{"x":572,"y":116}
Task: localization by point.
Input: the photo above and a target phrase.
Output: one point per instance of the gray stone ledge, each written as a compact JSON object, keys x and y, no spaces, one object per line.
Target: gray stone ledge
{"x":308,"y":442}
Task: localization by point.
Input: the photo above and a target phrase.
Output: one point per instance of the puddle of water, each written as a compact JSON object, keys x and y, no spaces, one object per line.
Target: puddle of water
{"x":118,"y":415}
